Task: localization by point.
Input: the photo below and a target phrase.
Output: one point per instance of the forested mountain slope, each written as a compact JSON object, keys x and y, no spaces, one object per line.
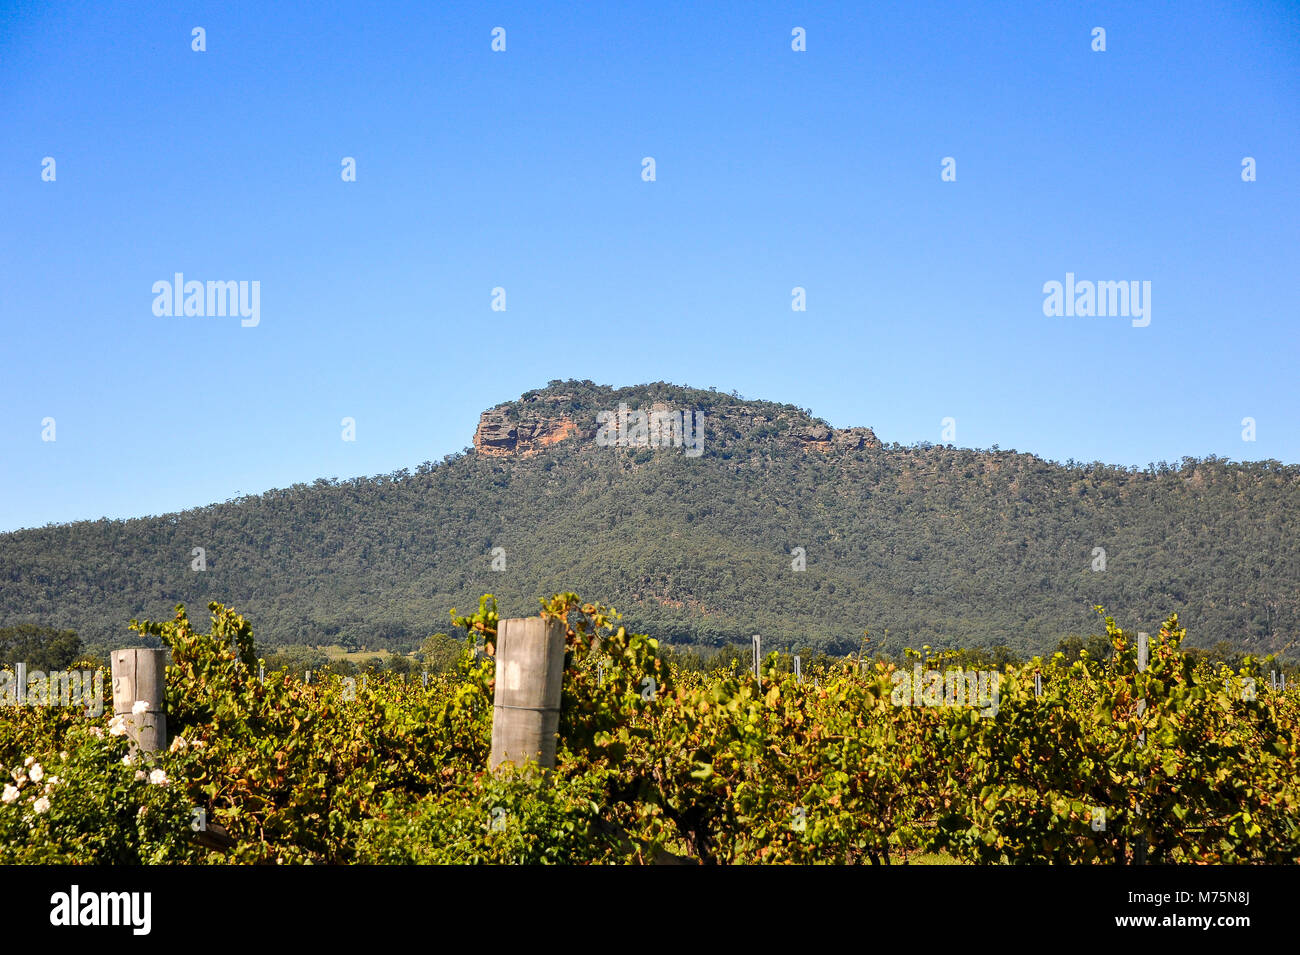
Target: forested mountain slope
{"x":938,"y":545}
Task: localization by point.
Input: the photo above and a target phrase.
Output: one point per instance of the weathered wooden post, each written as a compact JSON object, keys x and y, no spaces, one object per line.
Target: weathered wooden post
{"x":758,"y":660}
{"x":1142,"y":665}
{"x":798,"y":669}
{"x":526,"y":701}
{"x":140,"y":675}
{"x":1140,"y":844}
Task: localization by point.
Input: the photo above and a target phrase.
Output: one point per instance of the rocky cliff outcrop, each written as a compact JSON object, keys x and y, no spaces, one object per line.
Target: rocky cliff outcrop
{"x":498,"y":435}
{"x":526,"y":428}
{"x":820,"y":437}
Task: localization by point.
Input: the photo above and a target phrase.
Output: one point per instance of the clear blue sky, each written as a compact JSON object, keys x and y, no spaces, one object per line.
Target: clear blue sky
{"x":522,"y":169}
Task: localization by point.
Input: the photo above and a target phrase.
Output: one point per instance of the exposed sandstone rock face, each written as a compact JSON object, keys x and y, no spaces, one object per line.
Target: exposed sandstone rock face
{"x":547,"y":433}
{"x":498,"y":435}
{"x":855,"y":439}
{"x":495,"y":434}
{"x":534,"y":424}
{"x":812,"y":434}
{"x":818,"y":437}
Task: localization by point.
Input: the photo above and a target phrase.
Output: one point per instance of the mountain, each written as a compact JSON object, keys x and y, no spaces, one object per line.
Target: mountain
{"x":936,"y":545}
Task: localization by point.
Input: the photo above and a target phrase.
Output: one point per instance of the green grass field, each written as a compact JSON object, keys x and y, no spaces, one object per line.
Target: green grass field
{"x":336,"y":652}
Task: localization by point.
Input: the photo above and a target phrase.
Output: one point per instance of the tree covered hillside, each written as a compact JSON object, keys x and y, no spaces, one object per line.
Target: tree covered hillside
{"x":920,"y":545}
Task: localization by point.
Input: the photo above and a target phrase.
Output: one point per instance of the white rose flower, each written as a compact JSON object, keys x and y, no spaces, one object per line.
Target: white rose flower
{"x":37,"y":773}
{"x":10,"y":794}
{"x":64,"y":754}
{"x":117,"y":726}
{"x":158,"y":778}
{"x":178,"y":744}
{"x":54,"y":781}
{"x":42,"y":805}
{"x":140,"y":706}
{"x":97,"y":732}
{"x":127,"y":760}
{"x":139,"y":775}
{"x":29,"y":760}
{"x":20,"y":779}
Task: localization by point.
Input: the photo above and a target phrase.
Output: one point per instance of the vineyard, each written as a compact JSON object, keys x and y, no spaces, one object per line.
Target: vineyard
{"x":1096,"y":761}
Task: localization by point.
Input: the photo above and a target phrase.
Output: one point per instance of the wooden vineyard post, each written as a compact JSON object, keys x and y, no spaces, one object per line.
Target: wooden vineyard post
{"x":758,"y":659}
{"x":140,"y":675}
{"x":1142,"y":665}
{"x":798,"y":669}
{"x":1140,"y":846}
{"x":526,"y":701}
